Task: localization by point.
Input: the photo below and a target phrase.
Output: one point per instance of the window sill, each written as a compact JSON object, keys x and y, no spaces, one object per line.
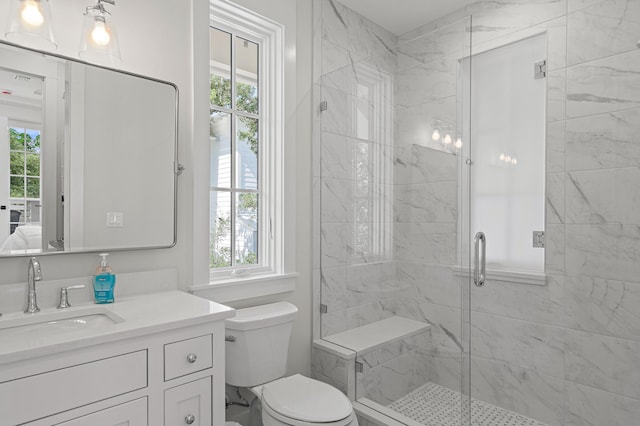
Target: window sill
{"x":248,"y":287}
{"x":529,"y":278}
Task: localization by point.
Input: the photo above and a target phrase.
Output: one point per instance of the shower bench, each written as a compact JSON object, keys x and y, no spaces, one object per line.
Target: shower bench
{"x":388,"y":350}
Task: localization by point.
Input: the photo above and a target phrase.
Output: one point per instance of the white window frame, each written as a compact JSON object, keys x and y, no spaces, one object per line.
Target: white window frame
{"x":26,"y":125}
{"x":269,"y":36}
{"x":234,"y":189}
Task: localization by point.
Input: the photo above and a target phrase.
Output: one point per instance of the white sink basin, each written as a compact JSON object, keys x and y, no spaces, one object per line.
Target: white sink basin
{"x":60,"y":322}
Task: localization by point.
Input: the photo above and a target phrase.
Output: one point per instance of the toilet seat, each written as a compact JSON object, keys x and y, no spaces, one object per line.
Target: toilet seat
{"x":301,"y":401}
{"x":268,"y":411}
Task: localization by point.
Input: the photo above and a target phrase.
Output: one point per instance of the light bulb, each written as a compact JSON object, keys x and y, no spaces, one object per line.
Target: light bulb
{"x":447,"y":139}
{"x":502,"y":157}
{"x":508,"y":159}
{"x":514,"y":161}
{"x":458,"y":143}
{"x":435,"y":135}
{"x":31,"y":14}
{"x":100,"y":35}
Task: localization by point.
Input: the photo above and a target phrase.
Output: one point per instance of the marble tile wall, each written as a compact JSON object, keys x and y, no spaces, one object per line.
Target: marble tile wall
{"x":336,"y":370}
{"x":565,"y":353}
{"x":354,"y":193}
{"x":393,"y":379}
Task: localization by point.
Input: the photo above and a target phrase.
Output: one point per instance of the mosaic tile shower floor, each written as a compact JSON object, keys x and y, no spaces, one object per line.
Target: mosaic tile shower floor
{"x":435,"y":405}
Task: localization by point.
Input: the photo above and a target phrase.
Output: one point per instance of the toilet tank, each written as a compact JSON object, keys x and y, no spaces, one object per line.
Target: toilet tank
{"x":257,"y":343}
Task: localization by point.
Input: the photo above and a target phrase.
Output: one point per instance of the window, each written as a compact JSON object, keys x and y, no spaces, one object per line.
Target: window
{"x":24,"y":176}
{"x":371,"y":237}
{"x":246,"y":138}
{"x":235,"y":151}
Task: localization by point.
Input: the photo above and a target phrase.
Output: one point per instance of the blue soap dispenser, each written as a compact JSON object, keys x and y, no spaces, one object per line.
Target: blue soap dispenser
{"x":104,"y":281}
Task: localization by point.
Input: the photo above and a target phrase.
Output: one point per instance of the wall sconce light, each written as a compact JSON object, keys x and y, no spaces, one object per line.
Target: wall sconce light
{"x":29,"y":24}
{"x":441,"y":128}
{"x":99,"y":41}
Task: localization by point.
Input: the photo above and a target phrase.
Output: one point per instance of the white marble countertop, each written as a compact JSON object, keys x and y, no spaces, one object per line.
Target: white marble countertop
{"x":135,"y":315}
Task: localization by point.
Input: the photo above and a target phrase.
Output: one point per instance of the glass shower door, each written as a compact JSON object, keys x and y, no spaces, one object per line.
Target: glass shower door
{"x":553,"y":333}
{"x":512,"y":357}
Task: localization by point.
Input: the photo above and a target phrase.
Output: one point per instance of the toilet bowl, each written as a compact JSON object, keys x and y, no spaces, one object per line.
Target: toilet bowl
{"x":301,"y":401}
{"x":257,"y":342}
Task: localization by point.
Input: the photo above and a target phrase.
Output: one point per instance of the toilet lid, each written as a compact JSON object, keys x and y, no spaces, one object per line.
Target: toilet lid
{"x":301,"y":398}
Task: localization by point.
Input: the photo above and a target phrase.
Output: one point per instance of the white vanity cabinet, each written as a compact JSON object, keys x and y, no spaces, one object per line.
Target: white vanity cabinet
{"x":168,"y":375}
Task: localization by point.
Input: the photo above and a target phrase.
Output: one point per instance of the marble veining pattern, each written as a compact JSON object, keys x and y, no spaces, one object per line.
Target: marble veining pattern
{"x":594,"y":407}
{"x":526,"y":344}
{"x":589,"y":88}
{"x":499,"y":18}
{"x":393,"y":379}
{"x":603,"y":306}
{"x":603,"y":29}
{"x":524,"y":391}
{"x":603,"y":141}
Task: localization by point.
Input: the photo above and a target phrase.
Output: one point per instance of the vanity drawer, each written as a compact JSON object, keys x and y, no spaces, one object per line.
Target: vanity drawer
{"x":187,"y":356}
{"x":60,"y":390}
{"x":132,"y":413}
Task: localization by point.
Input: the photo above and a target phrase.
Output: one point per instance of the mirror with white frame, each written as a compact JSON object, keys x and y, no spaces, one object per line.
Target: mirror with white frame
{"x":88,"y":156}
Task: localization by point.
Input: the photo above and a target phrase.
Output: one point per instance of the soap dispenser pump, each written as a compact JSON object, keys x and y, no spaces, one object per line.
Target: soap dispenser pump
{"x":104,"y":281}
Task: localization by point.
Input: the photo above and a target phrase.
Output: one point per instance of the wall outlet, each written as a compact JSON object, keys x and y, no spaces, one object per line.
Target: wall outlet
{"x":115,"y":220}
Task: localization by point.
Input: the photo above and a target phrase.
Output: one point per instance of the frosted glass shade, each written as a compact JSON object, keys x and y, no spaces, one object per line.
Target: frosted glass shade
{"x":99,"y":40}
{"x":30,"y":24}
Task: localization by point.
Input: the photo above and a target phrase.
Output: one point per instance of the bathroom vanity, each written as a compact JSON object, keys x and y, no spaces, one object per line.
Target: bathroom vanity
{"x":156,"y":359}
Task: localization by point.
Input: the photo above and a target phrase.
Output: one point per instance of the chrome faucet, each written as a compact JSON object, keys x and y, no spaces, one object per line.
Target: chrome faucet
{"x":33,"y":274}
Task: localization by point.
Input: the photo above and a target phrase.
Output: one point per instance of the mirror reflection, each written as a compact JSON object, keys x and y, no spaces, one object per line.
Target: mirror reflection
{"x":87,"y":156}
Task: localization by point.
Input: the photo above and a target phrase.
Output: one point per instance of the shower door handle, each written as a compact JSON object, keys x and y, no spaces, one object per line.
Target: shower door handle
{"x":480,"y":267}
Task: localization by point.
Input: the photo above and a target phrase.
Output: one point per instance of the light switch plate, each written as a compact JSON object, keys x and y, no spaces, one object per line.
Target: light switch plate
{"x":115,"y":219}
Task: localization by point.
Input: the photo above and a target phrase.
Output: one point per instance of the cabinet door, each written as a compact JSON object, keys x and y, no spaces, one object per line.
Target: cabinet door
{"x":132,"y":413}
{"x":188,"y":404}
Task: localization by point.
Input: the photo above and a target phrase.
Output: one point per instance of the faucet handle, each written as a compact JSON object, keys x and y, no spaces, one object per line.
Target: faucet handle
{"x":64,"y":296}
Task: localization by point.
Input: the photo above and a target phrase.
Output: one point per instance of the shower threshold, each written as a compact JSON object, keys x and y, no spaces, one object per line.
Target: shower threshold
{"x":435,"y":405}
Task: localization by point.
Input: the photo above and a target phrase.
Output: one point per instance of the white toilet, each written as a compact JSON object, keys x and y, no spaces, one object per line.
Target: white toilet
{"x":256,"y":357}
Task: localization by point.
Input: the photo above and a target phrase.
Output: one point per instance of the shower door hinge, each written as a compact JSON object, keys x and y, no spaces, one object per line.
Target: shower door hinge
{"x":359,"y":367}
{"x":324,"y":106}
{"x":540,"y":70}
{"x":323,"y":308}
{"x":178,"y":168}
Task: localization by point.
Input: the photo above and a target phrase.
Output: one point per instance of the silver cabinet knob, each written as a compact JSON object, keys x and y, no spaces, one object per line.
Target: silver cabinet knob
{"x":191,"y":358}
{"x":189,"y":419}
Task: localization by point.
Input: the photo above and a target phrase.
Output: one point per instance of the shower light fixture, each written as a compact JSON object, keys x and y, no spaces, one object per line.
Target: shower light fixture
{"x":99,"y":41}
{"x":508,"y":159}
{"x":29,"y":24}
